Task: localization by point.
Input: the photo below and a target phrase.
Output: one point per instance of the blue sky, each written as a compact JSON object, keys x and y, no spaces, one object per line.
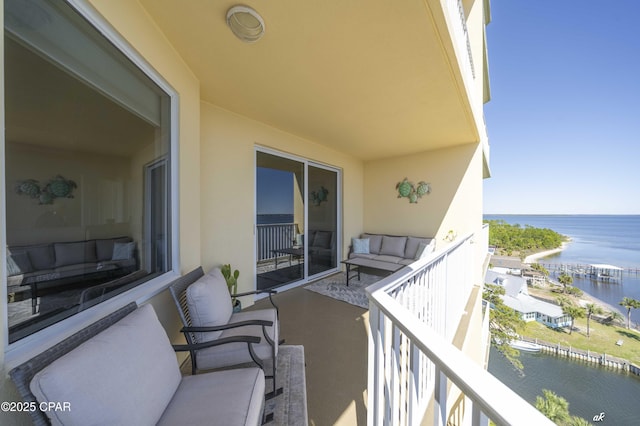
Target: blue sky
{"x":275,"y":194}
{"x":564,"y":115}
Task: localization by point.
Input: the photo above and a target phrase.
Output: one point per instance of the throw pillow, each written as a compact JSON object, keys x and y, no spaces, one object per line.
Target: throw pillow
{"x":12,"y":267}
{"x":360,"y":245}
{"x":18,"y":263}
{"x":123,"y":251}
{"x":209,"y":304}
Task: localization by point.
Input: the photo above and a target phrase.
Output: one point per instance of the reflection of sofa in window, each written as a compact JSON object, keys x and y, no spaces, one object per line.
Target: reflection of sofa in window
{"x":47,"y":266}
{"x":322,"y":246}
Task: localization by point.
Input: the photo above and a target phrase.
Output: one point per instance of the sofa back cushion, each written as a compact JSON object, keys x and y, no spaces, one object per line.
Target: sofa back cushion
{"x":375,"y":242}
{"x":75,"y":253}
{"x":393,"y":246}
{"x":411,"y":249}
{"x":125,"y":375}
{"x":104,"y":248}
{"x":41,"y":256}
{"x":209,"y":304}
{"x":322,"y":239}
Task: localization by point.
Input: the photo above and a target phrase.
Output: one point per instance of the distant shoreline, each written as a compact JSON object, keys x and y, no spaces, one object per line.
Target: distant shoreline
{"x":532,"y":258}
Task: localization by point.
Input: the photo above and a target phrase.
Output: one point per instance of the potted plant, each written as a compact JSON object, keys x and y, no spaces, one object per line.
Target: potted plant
{"x":232,"y":284}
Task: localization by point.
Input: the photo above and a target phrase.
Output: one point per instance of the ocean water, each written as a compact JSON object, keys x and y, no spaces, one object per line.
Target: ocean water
{"x":266,"y":219}
{"x":610,"y":239}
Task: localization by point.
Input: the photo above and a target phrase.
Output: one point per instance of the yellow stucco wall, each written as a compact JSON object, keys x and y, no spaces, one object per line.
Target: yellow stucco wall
{"x":228,"y":186}
{"x":455,"y":201}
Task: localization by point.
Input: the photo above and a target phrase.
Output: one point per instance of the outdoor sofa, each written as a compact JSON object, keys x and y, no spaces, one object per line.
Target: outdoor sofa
{"x":123,"y":370}
{"x":387,"y":252}
{"x":49,"y":267}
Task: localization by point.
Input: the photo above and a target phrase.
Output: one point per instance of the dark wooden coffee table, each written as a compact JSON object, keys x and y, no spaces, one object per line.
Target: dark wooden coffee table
{"x":293,"y":252}
{"x":359,"y":262}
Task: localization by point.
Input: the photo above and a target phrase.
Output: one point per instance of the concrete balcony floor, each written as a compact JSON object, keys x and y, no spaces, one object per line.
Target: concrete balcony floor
{"x":334,"y":336}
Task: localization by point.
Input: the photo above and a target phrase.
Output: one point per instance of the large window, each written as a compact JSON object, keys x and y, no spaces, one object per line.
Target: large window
{"x":87,"y":167}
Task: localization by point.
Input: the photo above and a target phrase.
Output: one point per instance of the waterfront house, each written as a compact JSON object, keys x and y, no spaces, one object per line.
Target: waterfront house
{"x":141,"y":138}
{"x":530,"y":308}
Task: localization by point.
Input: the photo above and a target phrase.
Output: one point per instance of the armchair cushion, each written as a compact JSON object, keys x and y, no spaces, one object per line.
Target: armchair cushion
{"x":209,"y":304}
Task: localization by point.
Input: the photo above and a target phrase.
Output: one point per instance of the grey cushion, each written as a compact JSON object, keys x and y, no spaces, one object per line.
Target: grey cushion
{"x":41,"y":256}
{"x":104,"y":248}
{"x":224,"y":398}
{"x":360,"y":245}
{"x":412,"y":246}
{"x":322,"y":239}
{"x":388,"y":259}
{"x":75,"y":253}
{"x":363,"y":255}
{"x":393,"y":246}
{"x":237,"y":353}
{"x":123,"y":251}
{"x":127,"y":374}
{"x":209,"y":303}
{"x":375,"y":242}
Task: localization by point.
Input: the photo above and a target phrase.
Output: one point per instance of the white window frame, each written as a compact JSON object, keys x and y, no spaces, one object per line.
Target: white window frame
{"x":27,"y":347}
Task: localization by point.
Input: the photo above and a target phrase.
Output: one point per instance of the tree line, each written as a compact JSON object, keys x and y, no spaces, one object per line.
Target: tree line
{"x":510,"y":238}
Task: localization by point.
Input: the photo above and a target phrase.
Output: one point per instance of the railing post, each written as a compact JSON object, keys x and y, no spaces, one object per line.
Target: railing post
{"x":440,"y":399}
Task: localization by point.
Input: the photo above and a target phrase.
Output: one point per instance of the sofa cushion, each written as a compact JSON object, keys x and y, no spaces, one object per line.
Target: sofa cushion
{"x":412,"y":246}
{"x":123,"y":251}
{"x":41,"y":256}
{"x":104,"y":248}
{"x":375,"y":242}
{"x":127,"y":374}
{"x":362,"y":255}
{"x":225,"y":398}
{"x":75,"y":253}
{"x":360,"y":245}
{"x":209,"y":303}
{"x":322,"y":239}
{"x":393,"y":246}
{"x":387,"y":258}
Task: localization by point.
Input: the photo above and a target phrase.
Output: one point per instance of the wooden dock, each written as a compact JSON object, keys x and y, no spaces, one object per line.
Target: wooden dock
{"x":598,"y":272}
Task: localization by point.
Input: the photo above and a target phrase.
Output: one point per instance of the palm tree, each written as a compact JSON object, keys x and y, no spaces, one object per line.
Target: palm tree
{"x":554,"y":407}
{"x":566,"y":280}
{"x":592,"y":309}
{"x":615,"y":316}
{"x":630,"y":304}
{"x":573,"y":312}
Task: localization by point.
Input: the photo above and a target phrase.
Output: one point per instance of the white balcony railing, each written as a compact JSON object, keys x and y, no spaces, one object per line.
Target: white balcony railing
{"x":413,"y":316}
{"x":274,"y":236}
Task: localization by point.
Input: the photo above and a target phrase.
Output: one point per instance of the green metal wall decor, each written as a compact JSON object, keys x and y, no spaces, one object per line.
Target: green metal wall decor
{"x":319,"y":196}
{"x":57,"y":187}
{"x":412,"y":192}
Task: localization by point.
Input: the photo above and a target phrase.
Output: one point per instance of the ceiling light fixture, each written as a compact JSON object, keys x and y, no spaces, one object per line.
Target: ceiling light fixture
{"x":245,"y":23}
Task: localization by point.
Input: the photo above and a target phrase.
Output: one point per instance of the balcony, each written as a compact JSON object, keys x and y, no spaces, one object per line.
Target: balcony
{"x":415,"y":373}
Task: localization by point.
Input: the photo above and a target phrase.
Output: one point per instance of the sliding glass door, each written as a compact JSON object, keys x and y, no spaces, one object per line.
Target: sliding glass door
{"x":323,"y":219}
{"x":297,"y":229}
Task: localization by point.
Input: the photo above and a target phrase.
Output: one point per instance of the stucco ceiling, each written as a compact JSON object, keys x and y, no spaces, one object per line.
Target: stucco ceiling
{"x":371,"y":78}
